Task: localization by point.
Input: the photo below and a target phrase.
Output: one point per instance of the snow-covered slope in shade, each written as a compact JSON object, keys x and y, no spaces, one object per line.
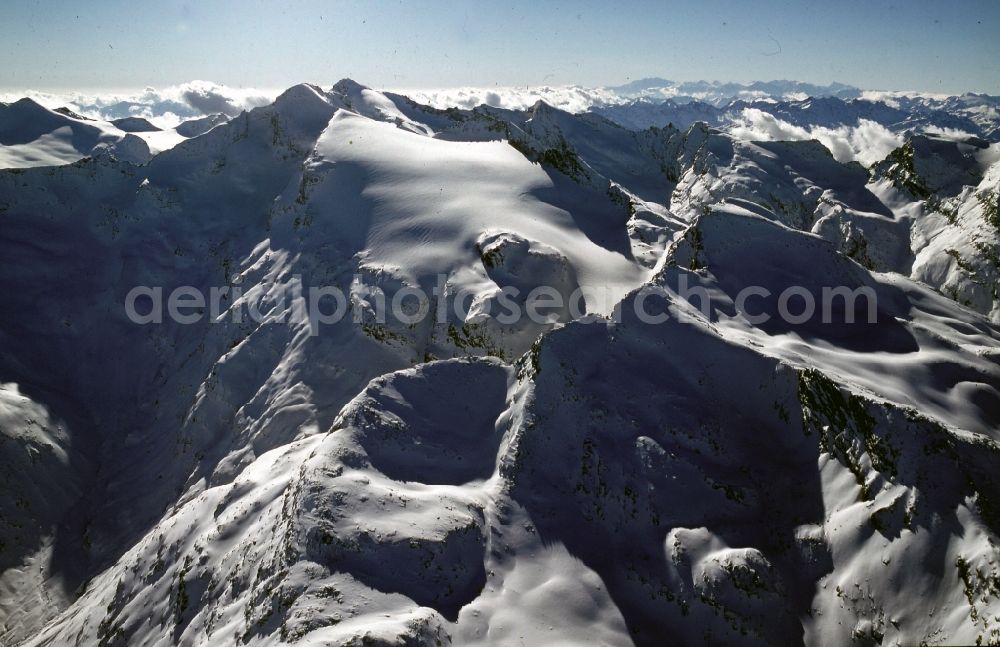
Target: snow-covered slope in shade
{"x":47,"y":463}
{"x":542,"y":504}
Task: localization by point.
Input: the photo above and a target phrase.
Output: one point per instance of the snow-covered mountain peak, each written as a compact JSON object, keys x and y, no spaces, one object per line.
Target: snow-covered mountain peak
{"x":348,"y":86}
{"x":135,"y":125}
{"x":301,"y":96}
{"x":200,"y":125}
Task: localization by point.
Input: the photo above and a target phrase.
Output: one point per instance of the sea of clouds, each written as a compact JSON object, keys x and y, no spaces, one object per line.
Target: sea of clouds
{"x":867,"y":142}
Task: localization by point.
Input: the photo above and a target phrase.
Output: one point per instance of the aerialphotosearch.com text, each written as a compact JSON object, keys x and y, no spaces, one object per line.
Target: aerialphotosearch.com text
{"x":319,"y":306}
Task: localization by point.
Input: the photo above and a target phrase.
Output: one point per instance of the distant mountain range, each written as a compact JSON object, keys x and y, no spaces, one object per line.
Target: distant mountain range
{"x":719,"y":93}
{"x":971,"y":113}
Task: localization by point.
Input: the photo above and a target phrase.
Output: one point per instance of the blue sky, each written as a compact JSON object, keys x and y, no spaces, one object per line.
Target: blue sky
{"x":915,"y":45}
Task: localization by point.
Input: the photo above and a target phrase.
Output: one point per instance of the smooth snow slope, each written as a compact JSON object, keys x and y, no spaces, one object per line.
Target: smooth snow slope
{"x":434,"y":199}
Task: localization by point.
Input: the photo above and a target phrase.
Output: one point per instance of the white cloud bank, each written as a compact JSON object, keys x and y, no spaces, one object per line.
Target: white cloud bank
{"x":867,"y":142}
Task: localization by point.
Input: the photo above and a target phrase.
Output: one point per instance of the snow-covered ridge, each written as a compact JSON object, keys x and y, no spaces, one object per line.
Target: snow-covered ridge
{"x":590,"y":480}
{"x":855,"y":124}
{"x":33,"y":135}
